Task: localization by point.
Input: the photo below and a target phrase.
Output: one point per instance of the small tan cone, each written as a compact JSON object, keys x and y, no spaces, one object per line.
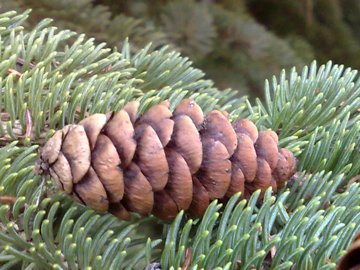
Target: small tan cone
{"x":163,"y":162}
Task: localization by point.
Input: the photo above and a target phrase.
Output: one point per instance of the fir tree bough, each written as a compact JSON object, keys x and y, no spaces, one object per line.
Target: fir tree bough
{"x":50,"y":78}
{"x":214,"y":34}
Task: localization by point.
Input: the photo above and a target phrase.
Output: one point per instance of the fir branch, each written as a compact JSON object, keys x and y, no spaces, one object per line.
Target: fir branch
{"x":244,"y":234}
{"x":310,"y":100}
{"x":61,"y":77}
{"x":48,"y":230}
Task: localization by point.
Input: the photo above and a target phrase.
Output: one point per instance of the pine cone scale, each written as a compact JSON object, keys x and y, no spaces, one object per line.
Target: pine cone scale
{"x":245,"y":126}
{"x":121,"y":132}
{"x":158,"y":117}
{"x":93,"y":126}
{"x":151,"y":158}
{"x":245,"y":156}
{"x":179,"y":186}
{"x":50,"y":151}
{"x":187,"y":141}
{"x":215,"y":170}
{"x":164,"y":206}
{"x":237,"y":183}
{"x":118,"y":210}
{"x":106,"y":163}
{"x":91,"y":191}
{"x":266,"y":147}
{"x":61,"y":168}
{"x":263,"y":175}
{"x":191,"y":109}
{"x":218,"y":127}
{"x":201,"y":199}
{"x":132,"y":110}
{"x":139,"y":195}
{"x":76,"y":149}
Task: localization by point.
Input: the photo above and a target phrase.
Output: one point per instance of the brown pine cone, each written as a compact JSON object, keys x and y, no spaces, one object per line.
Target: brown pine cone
{"x":351,"y":259}
{"x":162,"y":162}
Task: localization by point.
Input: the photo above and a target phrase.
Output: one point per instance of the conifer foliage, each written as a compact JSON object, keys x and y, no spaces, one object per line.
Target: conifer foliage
{"x":215,"y":36}
{"x":51,"y":78}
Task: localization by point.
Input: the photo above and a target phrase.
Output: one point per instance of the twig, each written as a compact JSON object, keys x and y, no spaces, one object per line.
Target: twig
{"x":187,"y":259}
{"x":7,"y":199}
{"x":28,"y":123}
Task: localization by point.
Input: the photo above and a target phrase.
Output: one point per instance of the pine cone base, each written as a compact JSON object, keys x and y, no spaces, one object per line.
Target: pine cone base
{"x":163,"y":162}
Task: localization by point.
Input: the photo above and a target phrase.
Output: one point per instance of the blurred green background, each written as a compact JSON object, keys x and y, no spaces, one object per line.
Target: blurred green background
{"x":237,"y":43}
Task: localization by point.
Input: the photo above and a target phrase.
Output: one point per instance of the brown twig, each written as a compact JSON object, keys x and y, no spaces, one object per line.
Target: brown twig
{"x":7,"y":199}
{"x":187,"y":260}
{"x":351,"y":260}
{"x":28,"y":123}
{"x":14,"y":71}
{"x":354,"y":179}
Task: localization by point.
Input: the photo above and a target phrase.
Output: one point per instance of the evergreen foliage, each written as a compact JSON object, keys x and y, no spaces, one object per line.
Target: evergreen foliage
{"x":330,"y":26}
{"x":219,"y":38}
{"x":51,"y":77}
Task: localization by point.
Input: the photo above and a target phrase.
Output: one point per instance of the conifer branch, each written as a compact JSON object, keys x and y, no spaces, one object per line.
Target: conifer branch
{"x":61,"y":77}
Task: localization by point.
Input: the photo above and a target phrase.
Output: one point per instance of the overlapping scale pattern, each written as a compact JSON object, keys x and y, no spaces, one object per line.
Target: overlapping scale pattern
{"x":162,"y":162}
